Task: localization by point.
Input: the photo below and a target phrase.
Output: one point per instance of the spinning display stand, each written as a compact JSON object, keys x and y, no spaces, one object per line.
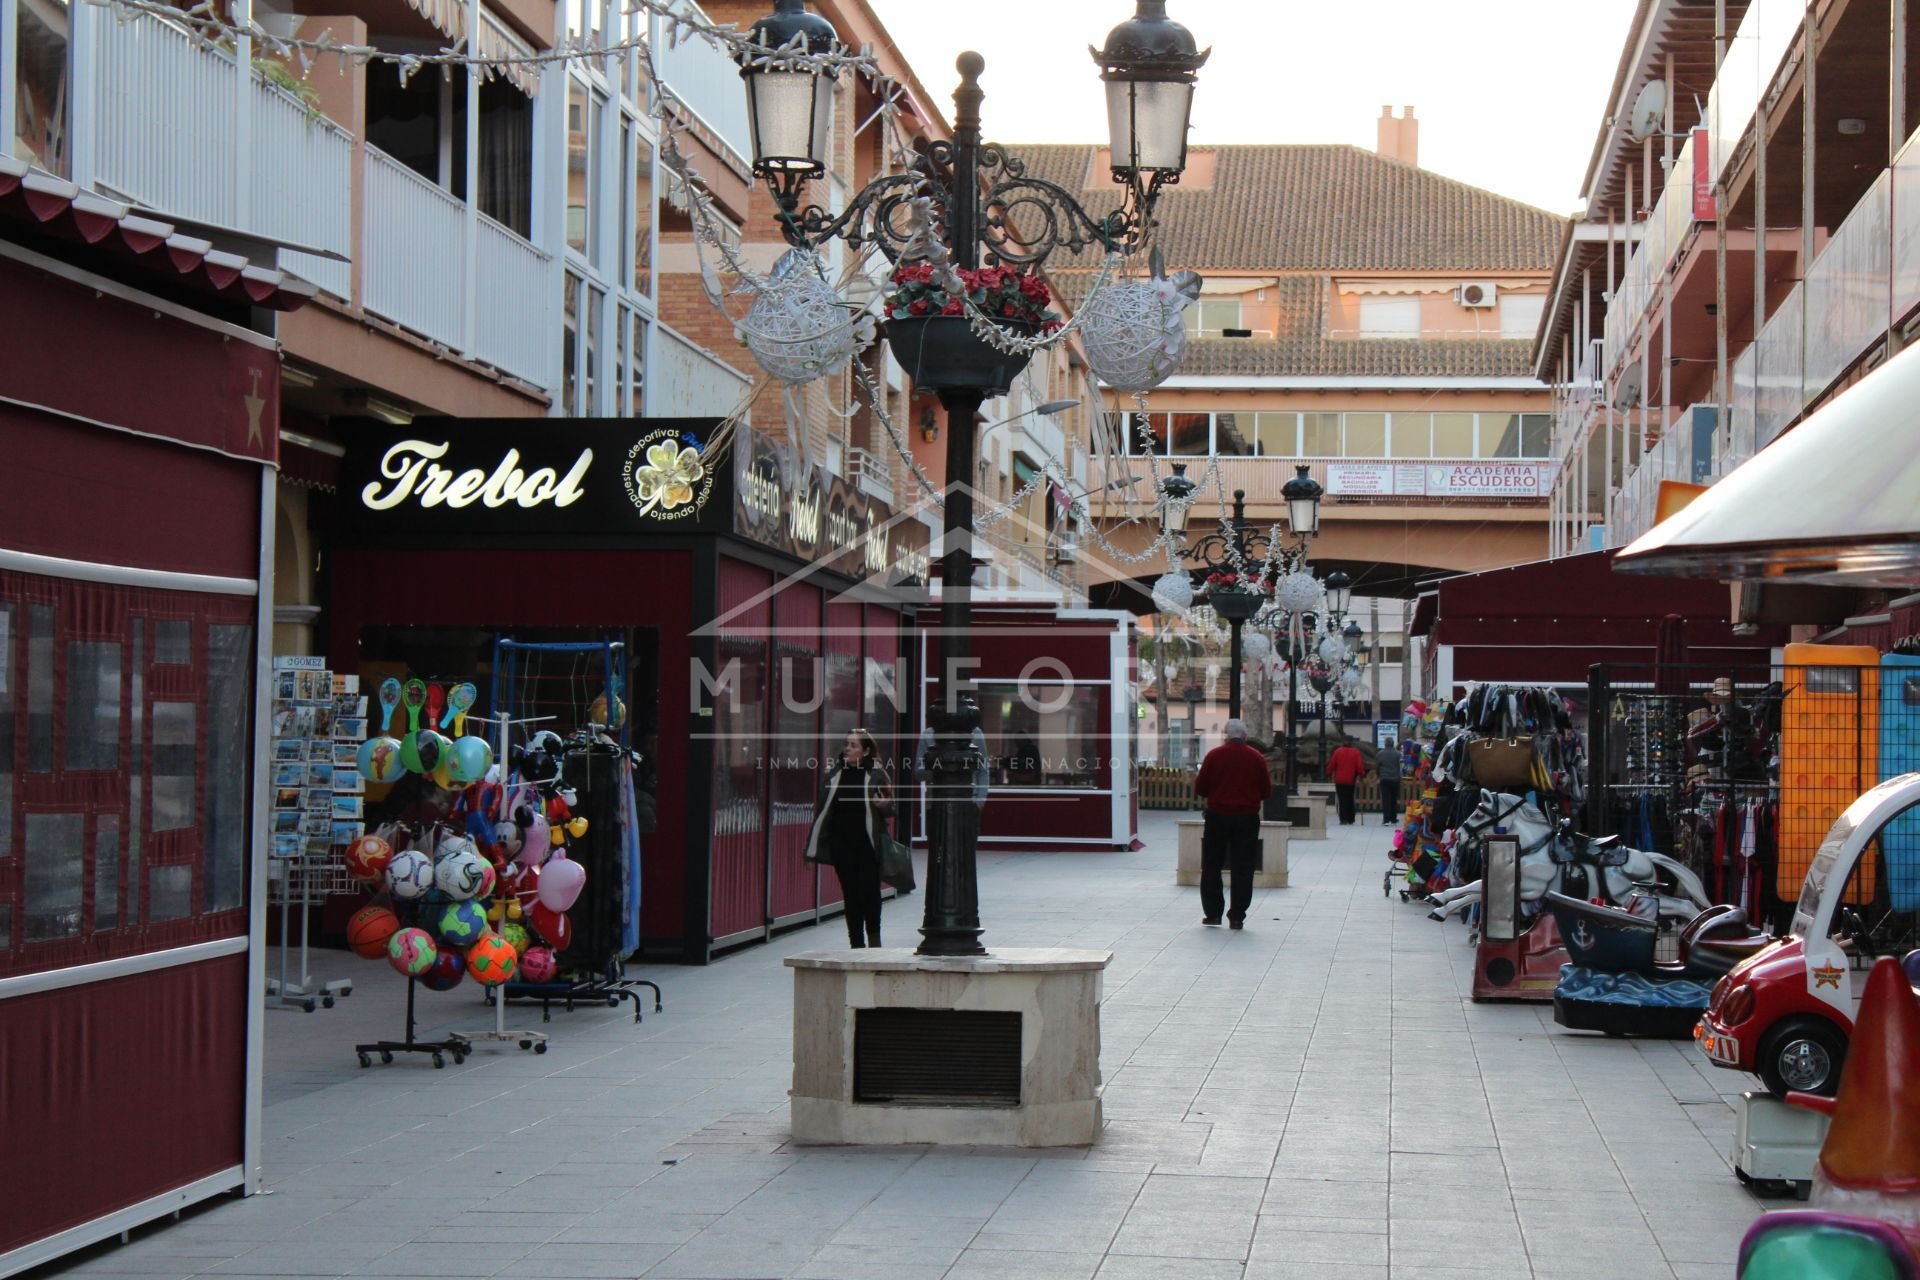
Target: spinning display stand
{"x":303,"y":881}
{"x":457,"y":1045}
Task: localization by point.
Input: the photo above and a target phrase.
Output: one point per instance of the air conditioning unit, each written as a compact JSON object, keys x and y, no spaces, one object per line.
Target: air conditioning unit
{"x":1479,"y":293}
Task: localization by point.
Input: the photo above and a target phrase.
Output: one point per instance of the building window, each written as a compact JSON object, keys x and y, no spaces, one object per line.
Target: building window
{"x":41,"y":99}
{"x":1453,"y":435}
{"x":1211,"y":317}
{"x":1384,"y":317}
{"x":1230,"y":438}
{"x":506,"y":157}
{"x":1412,"y":435}
{"x":1520,"y":314}
{"x":1366,"y":436}
{"x":1277,"y":434}
{"x":590,"y":387}
{"x":1516,"y":435}
{"x":640,"y":224}
{"x":570,"y":346}
{"x":583,"y":128}
{"x":1319,"y":435}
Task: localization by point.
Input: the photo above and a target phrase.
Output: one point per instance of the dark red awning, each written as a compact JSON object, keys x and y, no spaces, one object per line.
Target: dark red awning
{"x":55,"y":206}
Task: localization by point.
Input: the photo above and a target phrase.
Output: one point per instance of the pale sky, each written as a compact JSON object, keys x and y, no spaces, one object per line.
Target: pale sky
{"x":1509,"y":93}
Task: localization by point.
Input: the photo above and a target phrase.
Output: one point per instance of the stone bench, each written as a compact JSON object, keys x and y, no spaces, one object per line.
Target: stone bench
{"x":1273,"y":862}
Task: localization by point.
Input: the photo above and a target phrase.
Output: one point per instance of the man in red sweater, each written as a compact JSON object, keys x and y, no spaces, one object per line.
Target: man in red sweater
{"x":1233,"y":781}
{"x":1345,"y":767}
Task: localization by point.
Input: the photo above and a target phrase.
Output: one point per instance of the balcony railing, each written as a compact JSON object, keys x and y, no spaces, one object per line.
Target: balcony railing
{"x":1372,"y":481}
{"x":708,"y":81}
{"x":685,"y":380}
{"x":871,"y":472}
{"x":1662,"y":236}
{"x":170,"y":137}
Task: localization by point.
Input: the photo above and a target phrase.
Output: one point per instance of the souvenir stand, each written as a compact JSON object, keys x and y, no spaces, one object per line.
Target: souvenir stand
{"x":316,"y":725}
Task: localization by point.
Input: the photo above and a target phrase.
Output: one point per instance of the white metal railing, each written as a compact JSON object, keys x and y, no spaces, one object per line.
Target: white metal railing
{"x":297,"y":151}
{"x":414,"y":269}
{"x":513,"y":309}
{"x":871,"y":472}
{"x":708,"y":81}
{"x":685,"y":380}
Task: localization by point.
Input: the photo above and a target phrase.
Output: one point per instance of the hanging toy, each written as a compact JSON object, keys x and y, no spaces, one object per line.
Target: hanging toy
{"x":371,"y":928}
{"x":461,"y":924}
{"x":577,"y":827}
{"x":470,"y":759}
{"x":380,"y":760}
{"x":463,"y":875}
{"x":552,"y":925}
{"x":424,"y":751}
{"x":536,"y":842}
{"x":561,"y":881}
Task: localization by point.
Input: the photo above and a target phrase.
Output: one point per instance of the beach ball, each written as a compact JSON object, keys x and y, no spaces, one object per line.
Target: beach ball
{"x":552,"y":925}
{"x":369,"y":930}
{"x":448,"y":968}
{"x":367,"y":858}
{"x":462,"y":876}
{"x":423,"y":751}
{"x":539,"y":965}
{"x":412,"y":952}
{"x":492,"y":960}
{"x":462,"y":923}
{"x":470,"y":759}
{"x":561,"y":881}
{"x":517,"y":936}
{"x":379,"y":760}
{"x":409,"y":874}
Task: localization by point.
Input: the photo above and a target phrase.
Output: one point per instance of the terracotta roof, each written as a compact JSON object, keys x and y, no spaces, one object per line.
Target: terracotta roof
{"x":1323,"y":208}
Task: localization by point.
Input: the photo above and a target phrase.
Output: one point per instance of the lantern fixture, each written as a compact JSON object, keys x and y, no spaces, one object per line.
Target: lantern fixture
{"x":1339,"y":589}
{"x":1176,"y":499}
{"x":1150,"y":66}
{"x":1303,"y":502}
{"x":790,"y":108}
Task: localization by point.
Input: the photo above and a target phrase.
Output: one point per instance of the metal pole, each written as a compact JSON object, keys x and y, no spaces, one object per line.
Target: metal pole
{"x":951,"y":925}
{"x":1238,"y":539}
{"x":1293,"y":703}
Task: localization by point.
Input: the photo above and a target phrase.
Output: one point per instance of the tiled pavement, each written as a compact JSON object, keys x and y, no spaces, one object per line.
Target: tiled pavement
{"x":1312,"y":1097}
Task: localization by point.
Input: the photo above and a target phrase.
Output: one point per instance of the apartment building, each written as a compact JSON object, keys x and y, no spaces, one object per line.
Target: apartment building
{"x":1747,"y":250}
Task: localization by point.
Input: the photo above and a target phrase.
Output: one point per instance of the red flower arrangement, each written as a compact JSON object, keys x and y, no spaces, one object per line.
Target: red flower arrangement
{"x":1229,"y":580}
{"x":1000,"y":292}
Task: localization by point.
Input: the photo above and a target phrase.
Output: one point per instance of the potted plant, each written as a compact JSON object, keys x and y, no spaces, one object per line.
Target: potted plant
{"x":1237,"y":596}
{"x":932,"y":335}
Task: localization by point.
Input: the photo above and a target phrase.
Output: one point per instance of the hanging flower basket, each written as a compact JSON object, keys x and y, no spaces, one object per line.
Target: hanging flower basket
{"x":1237,"y":597}
{"x":942,"y":353}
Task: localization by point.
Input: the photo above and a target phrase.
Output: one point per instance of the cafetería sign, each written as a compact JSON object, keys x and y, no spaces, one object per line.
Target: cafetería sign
{"x":783,"y":503}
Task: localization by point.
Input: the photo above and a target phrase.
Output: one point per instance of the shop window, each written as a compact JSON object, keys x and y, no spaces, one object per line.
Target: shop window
{"x":1412,"y":435}
{"x":53,"y":876}
{"x":40,"y":688}
{"x":1319,"y":435}
{"x":1453,"y":435}
{"x":173,"y":765}
{"x":1277,"y":434}
{"x":1048,"y":736}
{"x":173,"y":642}
{"x":41,"y":104}
{"x":230,"y":659}
{"x":93,"y":705}
{"x":739,"y":735}
{"x":169,"y":894}
{"x":1229,"y":438}
{"x":136,"y":767}
{"x":8,"y":619}
{"x":1366,"y":435}
{"x":1389,"y":317}
{"x":106,"y":872}
{"x":6,"y":926}
{"x":797,"y":770}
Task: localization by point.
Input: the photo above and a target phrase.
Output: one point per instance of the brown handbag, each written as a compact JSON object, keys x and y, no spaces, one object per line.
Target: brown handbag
{"x":1502,"y":763}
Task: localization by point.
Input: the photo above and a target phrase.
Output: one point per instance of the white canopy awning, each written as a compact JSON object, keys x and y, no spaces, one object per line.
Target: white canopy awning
{"x":1836,"y":500}
{"x":449,"y":17}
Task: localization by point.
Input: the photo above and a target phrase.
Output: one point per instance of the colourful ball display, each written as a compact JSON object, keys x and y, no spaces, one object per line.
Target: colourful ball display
{"x":516,"y":934}
{"x":462,"y":923}
{"x":470,"y":759}
{"x":410,"y":874}
{"x":449,"y":967}
{"x":461,"y":876}
{"x":492,"y":960}
{"x":379,"y":760}
{"x":367,"y":858}
{"x":423,"y":751}
{"x":539,"y":965}
{"x":412,"y":951}
{"x":489,"y":880}
{"x":370,"y":929}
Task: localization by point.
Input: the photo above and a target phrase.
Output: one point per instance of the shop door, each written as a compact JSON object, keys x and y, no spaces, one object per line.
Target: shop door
{"x":737,"y":901}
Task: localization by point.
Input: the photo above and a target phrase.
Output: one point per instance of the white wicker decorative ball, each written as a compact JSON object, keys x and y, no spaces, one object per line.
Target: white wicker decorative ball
{"x":1134,"y":333}
{"x":799,"y":329}
{"x":1298,"y":593}
{"x":1255,"y":647}
{"x":1173,"y":592}
{"x":1332,"y":649}
{"x":1351,"y":680}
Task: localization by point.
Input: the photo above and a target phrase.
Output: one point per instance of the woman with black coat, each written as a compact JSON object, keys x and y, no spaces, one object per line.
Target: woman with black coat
{"x":849,"y":829}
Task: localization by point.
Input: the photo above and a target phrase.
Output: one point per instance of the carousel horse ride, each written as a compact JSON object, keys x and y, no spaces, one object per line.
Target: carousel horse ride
{"x":1863,"y":1219}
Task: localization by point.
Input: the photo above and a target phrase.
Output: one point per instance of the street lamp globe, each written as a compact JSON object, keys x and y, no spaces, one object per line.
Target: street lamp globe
{"x":790,"y":109}
{"x":1339,"y":590}
{"x":1303,"y":502}
{"x":1150,"y":66}
{"x":1353,"y":631}
{"x":1176,"y":499}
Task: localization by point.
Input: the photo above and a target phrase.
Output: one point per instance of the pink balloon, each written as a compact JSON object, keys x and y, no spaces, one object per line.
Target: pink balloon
{"x":535,"y":844}
{"x":561,"y":881}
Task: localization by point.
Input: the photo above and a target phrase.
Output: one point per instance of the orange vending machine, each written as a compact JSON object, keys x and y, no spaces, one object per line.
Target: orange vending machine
{"x":1829,"y":750}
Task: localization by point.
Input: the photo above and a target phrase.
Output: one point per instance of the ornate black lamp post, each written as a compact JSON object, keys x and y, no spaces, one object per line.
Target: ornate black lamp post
{"x":1150,"y":65}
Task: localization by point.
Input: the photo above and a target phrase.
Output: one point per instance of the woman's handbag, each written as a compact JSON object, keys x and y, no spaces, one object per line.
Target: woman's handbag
{"x":1502,"y":763}
{"x":896,"y":865}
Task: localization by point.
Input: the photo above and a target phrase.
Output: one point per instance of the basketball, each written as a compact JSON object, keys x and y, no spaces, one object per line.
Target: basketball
{"x":538,"y":965}
{"x":462,"y":923}
{"x":410,"y":874}
{"x":369,"y":930}
{"x":367,"y":858}
{"x":448,"y":968}
{"x":492,"y":960}
{"x":411,"y":951}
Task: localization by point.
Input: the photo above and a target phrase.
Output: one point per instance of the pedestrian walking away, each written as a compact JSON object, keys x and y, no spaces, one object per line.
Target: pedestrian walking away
{"x":1345,"y":767}
{"x":1234,"y":781}
{"x":1386,"y":764}
{"x":850,"y":830}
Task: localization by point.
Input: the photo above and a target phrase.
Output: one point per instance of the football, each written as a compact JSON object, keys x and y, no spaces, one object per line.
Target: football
{"x":462,"y":875}
{"x":410,"y":874}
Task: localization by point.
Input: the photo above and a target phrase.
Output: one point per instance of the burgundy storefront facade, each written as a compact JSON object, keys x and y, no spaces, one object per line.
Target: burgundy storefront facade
{"x":135,"y":539}
{"x":764,"y":607}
